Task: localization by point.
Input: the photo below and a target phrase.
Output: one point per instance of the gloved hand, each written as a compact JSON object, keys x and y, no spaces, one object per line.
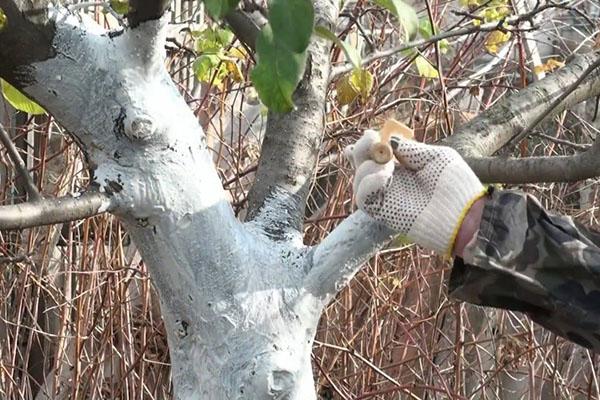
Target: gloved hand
{"x":425,"y":197}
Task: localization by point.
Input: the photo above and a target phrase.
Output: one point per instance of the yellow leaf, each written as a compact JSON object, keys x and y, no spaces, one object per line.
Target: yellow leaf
{"x":345,"y":92}
{"x":18,"y":100}
{"x":548,"y":66}
{"x":238,"y":52}
{"x":234,"y":71}
{"x":362,"y":81}
{"x":495,"y":40}
{"x":426,"y":70}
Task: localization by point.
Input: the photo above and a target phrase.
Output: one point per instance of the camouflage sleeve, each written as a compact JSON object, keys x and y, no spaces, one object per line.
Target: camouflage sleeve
{"x":526,"y":259}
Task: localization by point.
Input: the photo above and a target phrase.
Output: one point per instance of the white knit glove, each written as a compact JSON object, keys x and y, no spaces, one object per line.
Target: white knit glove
{"x":425,"y":197}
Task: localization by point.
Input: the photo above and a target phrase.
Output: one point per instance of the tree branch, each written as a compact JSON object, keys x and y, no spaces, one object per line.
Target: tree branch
{"x":26,"y":28}
{"x":15,"y":157}
{"x":493,"y":128}
{"x":513,"y":22}
{"x":339,"y":256}
{"x":245,"y":26}
{"x":54,"y":211}
{"x":146,"y":10}
{"x":291,"y":144}
{"x":538,"y":169}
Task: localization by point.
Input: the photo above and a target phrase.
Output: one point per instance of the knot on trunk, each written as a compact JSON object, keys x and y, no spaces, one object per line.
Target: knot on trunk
{"x":139,"y":127}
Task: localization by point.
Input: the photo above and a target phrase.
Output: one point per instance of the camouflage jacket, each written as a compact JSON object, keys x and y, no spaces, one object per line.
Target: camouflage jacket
{"x":526,"y":259}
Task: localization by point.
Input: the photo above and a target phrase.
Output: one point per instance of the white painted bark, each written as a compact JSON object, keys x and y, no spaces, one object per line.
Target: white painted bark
{"x":241,"y":309}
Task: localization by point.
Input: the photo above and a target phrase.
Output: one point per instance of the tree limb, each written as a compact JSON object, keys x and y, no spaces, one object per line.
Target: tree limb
{"x":538,"y":169}
{"x":15,"y":157}
{"x":339,"y":256}
{"x":26,"y":28}
{"x":245,"y":26}
{"x":54,"y":211}
{"x":291,"y":144}
{"x":146,"y":10}
{"x":493,"y":128}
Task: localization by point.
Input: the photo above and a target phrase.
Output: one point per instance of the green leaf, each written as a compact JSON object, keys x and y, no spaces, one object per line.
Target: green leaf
{"x":292,"y":22}
{"x":406,"y":15}
{"x":120,"y":6}
{"x":204,"y":67}
{"x":211,"y":40}
{"x":217,"y":9}
{"x":281,"y":49}
{"x":425,"y":28}
{"x":2,"y":19}
{"x":351,"y":53}
{"x":224,"y":36}
{"x":18,"y":100}
{"x":277,"y":73}
{"x":426,"y":70}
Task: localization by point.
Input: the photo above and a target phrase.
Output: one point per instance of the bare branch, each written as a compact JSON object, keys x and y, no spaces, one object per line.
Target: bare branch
{"x":493,"y":128}
{"x":54,"y":211}
{"x":538,"y":169}
{"x":291,"y":144}
{"x":13,"y":154}
{"x":513,"y":22}
{"x":556,"y":102}
{"x":146,"y":10}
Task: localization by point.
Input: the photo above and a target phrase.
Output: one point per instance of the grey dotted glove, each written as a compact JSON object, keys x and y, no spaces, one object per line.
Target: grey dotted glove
{"x":424,"y":197}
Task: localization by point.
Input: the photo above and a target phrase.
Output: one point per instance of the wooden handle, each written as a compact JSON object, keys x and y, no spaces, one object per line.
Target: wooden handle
{"x":381,"y":153}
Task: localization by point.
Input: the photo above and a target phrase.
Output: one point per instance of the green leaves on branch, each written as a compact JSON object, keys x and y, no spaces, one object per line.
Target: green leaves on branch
{"x":18,"y":100}
{"x":406,"y":15}
{"x":217,"y":60}
{"x":427,"y":31}
{"x":281,"y":49}
{"x":217,"y":9}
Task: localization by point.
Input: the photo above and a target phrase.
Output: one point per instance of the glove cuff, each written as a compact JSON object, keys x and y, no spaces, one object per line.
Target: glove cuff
{"x":437,"y":226}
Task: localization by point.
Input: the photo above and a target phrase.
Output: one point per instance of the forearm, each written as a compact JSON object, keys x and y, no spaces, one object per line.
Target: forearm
{"x":522,"y":258}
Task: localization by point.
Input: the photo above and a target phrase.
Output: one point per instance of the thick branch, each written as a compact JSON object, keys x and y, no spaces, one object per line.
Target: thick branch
{"x":538,"y":169}
{"x":26,"y":28}
{"x":245,"y":26}
{"x":146,"y":10}
{"x":54,"y":211}
{"x":493,"y":128}
{"x":291,"y":144}
{"x":338,"y":257}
